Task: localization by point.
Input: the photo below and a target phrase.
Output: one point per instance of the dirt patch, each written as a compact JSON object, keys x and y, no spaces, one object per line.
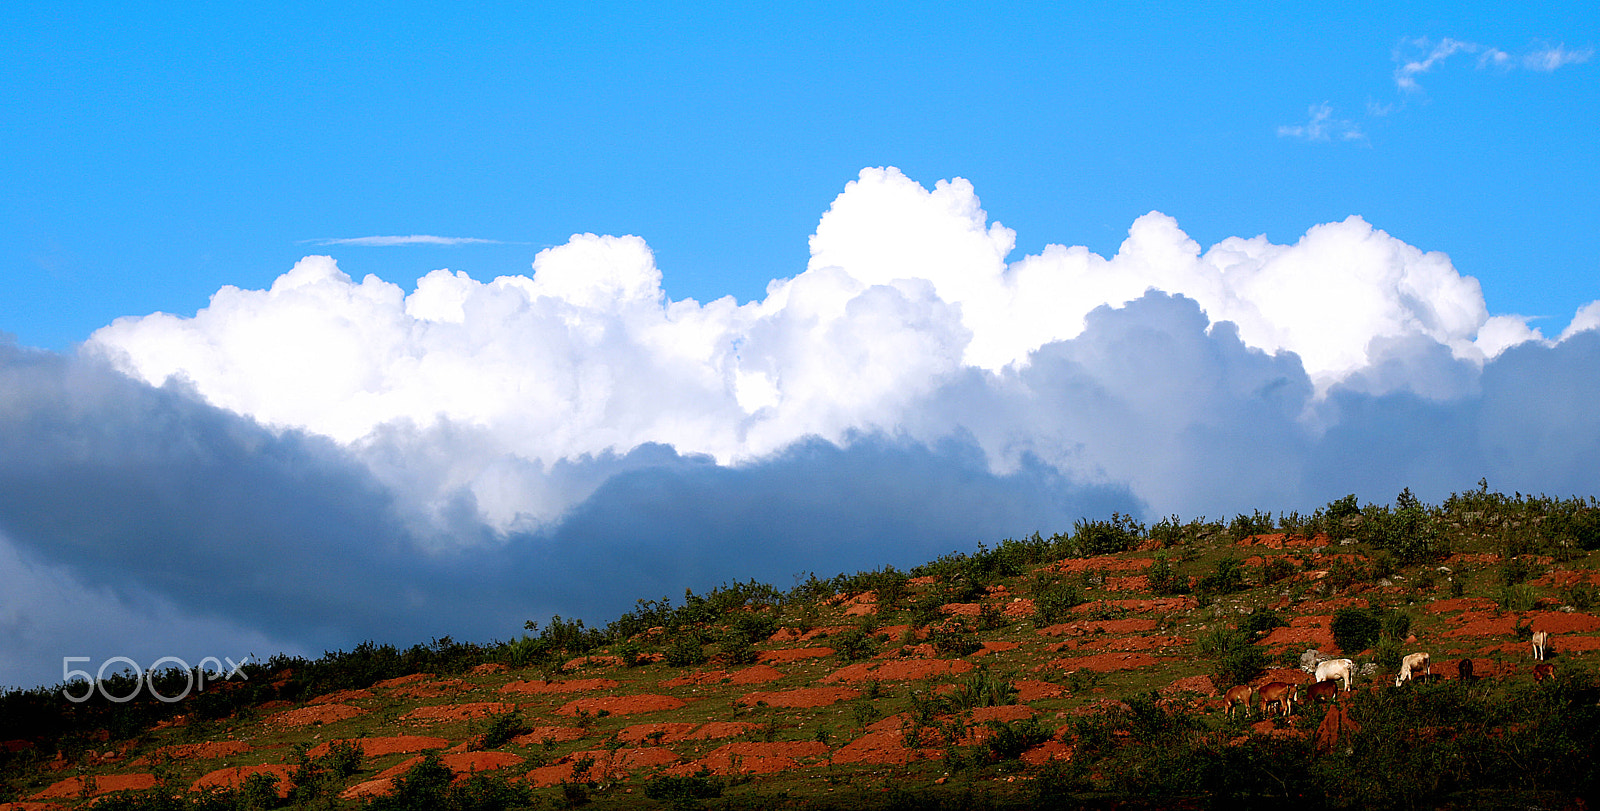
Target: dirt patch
{"x":1342,"y":602}
{"x":1136,"y":583}
{"x":1019,"y":608}
{"x":488,"y":669}
{"x":1099,"y":564}
{"x":800,"y":697}
{"x":1046,"y":752}
{"x":1101,"y":663}
{"x":235,"y":777}
{"x":459,"y":763}
{"x":1081,"y":627}
{"x":722,"y":729}
{"x":198,"y":751}
{"x":1288,"y":675}
{"x":1159,"y":605}
{"x":340,"y":697}
{"x":897,"y":670}
{"x":432,"y":689}
{"x":1477,"y":625}
{"x":310,"y":716}
{"x":1461,"y":604}
{"x":751,"y":757}
{"x":1312,"y":636}
{"x":1456,"y":560}
{"x":72,"y":787}
{"x":997,"y":646}
{"x":759,"y":674}
{"x":568,"y":686}
{"x":1560,"y":622}
{"x":961,"y":609}
{"x":621,"y":705}
{"x":1135,"y":643}
{"x":459,"y":712}
{"x":1036,"y":690}
{"x":656,"y":733}
{"x":1193,"y":684}
{"x":607,"y":765}
{"x":792,"y":655}
{"x":886,"y":748}
{"x":594,"y":661}
{"x":538,"y":735}
{"x":389,"y":745}
{"x":414,"y":678}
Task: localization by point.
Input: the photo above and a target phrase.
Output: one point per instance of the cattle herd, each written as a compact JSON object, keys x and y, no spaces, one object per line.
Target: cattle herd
{"x":1330,"y":674}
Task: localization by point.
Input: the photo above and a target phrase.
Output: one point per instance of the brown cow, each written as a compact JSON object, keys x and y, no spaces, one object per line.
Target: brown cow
{"x":1237,"y":695}
{"x":1464,"y":670}
{"x":1322,"y":691}
{"x":1544,"y":670}
{"x":1279,"y":693}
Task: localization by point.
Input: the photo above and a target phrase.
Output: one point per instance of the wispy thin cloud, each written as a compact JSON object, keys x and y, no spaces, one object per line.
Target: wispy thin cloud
{"x":1322,"y":126}
{"x":1548,"y":59}
{"x":1415,"y":57}
{"x":409,"y":239}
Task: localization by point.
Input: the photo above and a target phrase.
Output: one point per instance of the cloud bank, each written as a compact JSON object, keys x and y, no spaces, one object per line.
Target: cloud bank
{"x":330,"y":460}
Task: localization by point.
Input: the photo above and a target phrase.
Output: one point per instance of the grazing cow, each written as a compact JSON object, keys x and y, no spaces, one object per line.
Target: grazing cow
{"x":1237,"y":695}
{"x":1544,"y":670}
{"x":1413,"y":665}
{"x":1279,"y":693}
{"x":1336,"y":669}
{"x":1464,"y":670}
{"x":1322,"y":691}
{"x":1541,"y":644}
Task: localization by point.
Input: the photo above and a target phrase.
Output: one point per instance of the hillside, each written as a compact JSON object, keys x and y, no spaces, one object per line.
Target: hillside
{"x":1081,"y":669}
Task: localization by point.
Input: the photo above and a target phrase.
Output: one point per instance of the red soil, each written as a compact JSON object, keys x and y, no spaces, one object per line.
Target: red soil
{"x":414,"y":678}
{"x":568,"y":686}
{"x":1046,"y":752}
{"x":607,"y":765}
{"x":1100,"y":564}
{"x":998,"y":646}
{"x":750,"y":757}
{"x":670,"y":733}
{"x":199,"y":751}
{"x":1560,"y":622}
{"x":1197,"y":684}
{"x":886,"y":747}
{"x":432,"y":689}
{"x":1081,"y":627}
{"x":459,"y":712}
{"x":593,"y":661}
{"x":792,"y":655}
{"x":961,"y":609}
{"x":897,"y":670}
{"x":459,"y":763}
{"x":72,"y":787}
{"x":340,"y":697}
{"x":1342,"y":602}
{"x":1035,"y":690}
{"x":1456,"y":560}
{"x":759,"y":674}
{"x":722,"y":729}
{"x":1135,"y":583}
{"x":1160,"y":605}
{"x":235,"y":776}
{"x":1461,"y":604}
{"x":307,"y":716}
{"x":538,"y":735}
{"x":1101,"y":663}
{"x":1279,"y":540}
{"x":621,"y":705}
{"x":390,"y":745}
{"x":1311,"y":636}
{"x":1018,"y":608}
{"x":800,"y":697}
{"x":1134,"y":643}
{"x":487,"y":669}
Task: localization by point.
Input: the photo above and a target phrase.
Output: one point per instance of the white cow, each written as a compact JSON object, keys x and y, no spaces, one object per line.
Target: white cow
{"x":1336,"y":669}
{"x":1541,"y":644}
{"x":1411,"y":665}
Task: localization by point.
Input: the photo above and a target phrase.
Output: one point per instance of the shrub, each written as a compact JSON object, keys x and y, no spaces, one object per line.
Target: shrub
{"x":1394,"y":625}
{"x":502,"y":728}
{"x":1519,"y":597}
{"x":953,"y":640}
{"x":686,"y":651}
{"x":1008,"y":741}
{"x":735,"y":649}
{"x":1516,"y":570}
{"x":1260,"y":622}
{"x":1226,"y":578}
{"x":854,"y":644}
{"x":1052,"y":601}
{"x":1276,"y":569}
{"x":1234,"y":660}
{"x":1091,"y":538}
{"x":1355,"y":629}
{"x":1164,"y":579}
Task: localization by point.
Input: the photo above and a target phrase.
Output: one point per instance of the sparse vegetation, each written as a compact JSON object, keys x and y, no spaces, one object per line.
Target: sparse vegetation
{"x":1134,"y":738}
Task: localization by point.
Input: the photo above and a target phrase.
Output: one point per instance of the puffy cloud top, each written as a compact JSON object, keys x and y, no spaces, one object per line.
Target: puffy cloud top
{"x":907,"y":291}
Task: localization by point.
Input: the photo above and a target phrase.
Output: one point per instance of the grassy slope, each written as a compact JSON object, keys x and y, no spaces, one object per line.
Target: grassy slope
{"x":1080,"y":656}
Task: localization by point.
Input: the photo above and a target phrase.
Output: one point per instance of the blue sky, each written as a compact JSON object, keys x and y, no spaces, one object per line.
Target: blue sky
{"x":156,"y":154}
{"x":992,"y":269}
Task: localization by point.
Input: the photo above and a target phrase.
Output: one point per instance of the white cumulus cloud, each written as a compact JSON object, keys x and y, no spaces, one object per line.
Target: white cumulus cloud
{"x":477,"y":398}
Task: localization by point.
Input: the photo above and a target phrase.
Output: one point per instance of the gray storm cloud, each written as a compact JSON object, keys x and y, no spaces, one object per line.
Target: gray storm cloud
{"x":330,"y":460}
